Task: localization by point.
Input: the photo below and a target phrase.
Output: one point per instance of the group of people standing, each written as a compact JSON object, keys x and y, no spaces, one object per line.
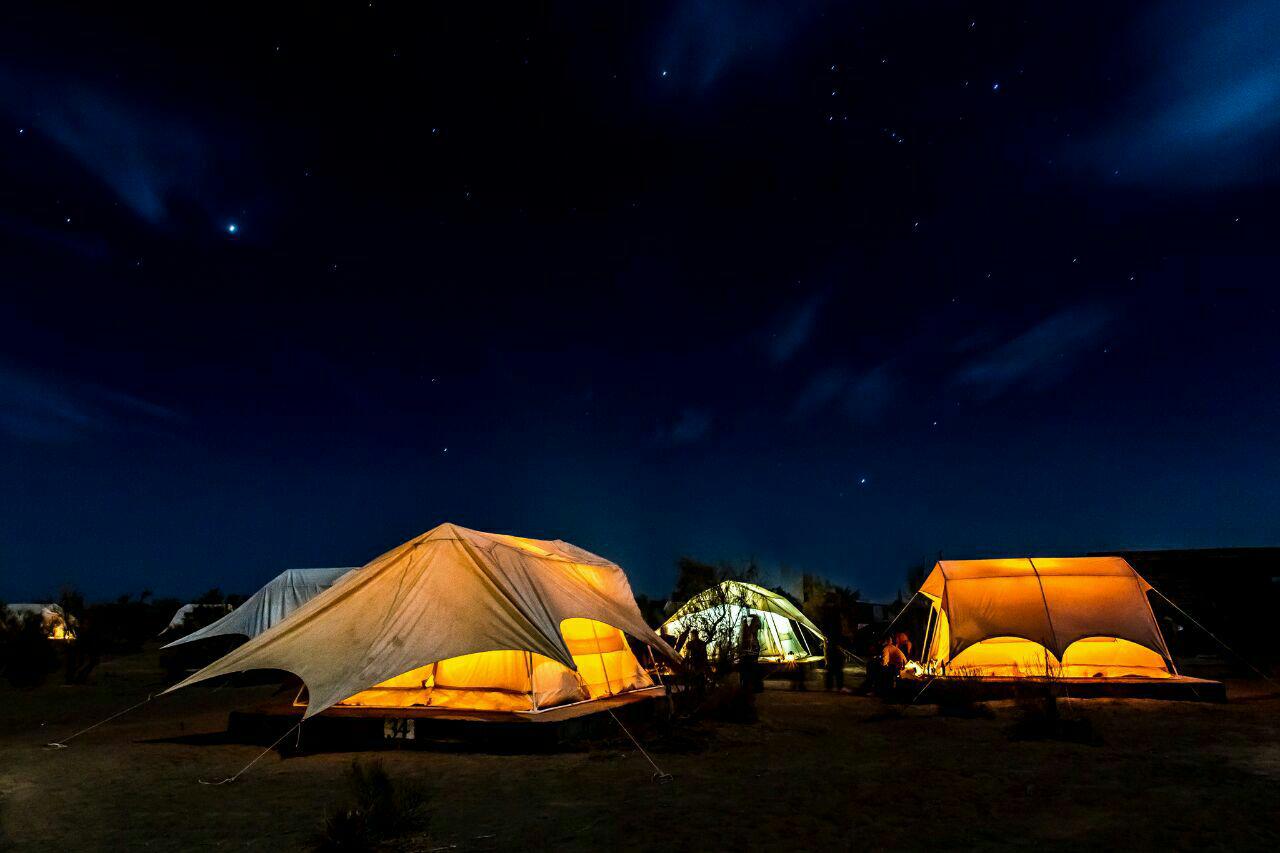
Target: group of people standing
{"x":889,"y":656}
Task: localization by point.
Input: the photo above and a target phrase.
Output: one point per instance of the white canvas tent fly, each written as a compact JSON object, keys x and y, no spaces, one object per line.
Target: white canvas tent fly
{"x":786,"y":634}
{"x":182,"y":613}
{"x":272,"y":604}
{"x":55,"y":622}
{"x":457,"y":618}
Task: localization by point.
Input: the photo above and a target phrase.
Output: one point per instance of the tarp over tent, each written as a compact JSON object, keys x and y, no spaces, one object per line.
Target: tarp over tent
{"x":282,"y":595}
{"x":461,"y":619}
{"x":52,"y":617}
{"x":186,"y":611}
{"x":717,"y":614}
{"x":1083,"y":617}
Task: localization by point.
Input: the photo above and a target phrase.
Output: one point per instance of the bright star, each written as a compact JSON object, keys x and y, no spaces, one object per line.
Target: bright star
{"x":664,"y":73}
{"x":995,"y":87}
{"x":863,"y":481}
{"x":232,"y":228}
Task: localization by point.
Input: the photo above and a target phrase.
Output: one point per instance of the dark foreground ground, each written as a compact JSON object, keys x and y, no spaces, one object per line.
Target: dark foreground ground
{"x":817,"y":771}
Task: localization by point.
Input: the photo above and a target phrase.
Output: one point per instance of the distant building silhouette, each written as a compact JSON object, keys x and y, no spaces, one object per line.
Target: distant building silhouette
{"x":1233,"y":592}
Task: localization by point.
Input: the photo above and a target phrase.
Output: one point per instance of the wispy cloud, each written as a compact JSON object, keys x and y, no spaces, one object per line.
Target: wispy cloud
{"x":1039,"y":356}
{"x":869,"y":395}
{"x":704,"y":39}
{"x":860,"y":396}
{"x":1203,"y":117}
{"x":146,"y":156}
{"x":796,"y":329}
{"x":691,"y":426}
{"x":37,"y":408}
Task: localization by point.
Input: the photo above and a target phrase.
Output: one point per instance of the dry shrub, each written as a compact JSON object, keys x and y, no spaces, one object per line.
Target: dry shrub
{"x":1041,"y":717}
{"x":378,"y":810}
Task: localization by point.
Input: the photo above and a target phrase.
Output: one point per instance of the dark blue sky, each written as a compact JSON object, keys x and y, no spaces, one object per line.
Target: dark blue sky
{"x":840,"y":286}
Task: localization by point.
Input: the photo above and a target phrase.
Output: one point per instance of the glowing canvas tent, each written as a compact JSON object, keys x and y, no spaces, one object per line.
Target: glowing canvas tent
{"x":456,"y":618}
{"x":281,"y":596}
{"x":52,"y":618}
{"x":785,"y":634}
{"x":1083,"y":617}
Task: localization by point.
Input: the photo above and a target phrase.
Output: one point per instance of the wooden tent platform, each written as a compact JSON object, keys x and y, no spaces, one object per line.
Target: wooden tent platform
{"x":399,"y":727}
{"x":944,"y":688}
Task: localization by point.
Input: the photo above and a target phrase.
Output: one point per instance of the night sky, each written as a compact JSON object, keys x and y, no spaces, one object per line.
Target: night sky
{"x":839,"y":286}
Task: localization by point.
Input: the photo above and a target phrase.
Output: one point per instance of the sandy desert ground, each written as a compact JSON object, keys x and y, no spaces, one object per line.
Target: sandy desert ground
{"x":817,"y":771}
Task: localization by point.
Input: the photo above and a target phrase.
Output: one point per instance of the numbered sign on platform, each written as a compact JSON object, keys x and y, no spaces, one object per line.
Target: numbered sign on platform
{"x":397,"y":729}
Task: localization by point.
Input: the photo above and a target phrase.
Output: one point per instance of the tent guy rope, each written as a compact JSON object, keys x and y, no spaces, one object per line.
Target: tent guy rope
{"x":62,"y":744}
{"x":296,"y":727}
{"x":660,"y":776}
{"x":1239,"y":656}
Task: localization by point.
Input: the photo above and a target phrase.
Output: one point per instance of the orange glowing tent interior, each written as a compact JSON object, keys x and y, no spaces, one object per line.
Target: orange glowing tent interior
{"x":1086,"y":617}
{"x":464,"y":620}
{"x":516,"y":681}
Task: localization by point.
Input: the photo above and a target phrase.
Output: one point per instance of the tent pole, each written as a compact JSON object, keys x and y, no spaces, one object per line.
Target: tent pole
{"x":924,"y":641}
{"x":777,"y":638}
{"x":533,"y":694}
{"x":608,"y":686}
{"x":1138,"y":581}
{"x":666,"y":688}
{"x":1047,"y":616}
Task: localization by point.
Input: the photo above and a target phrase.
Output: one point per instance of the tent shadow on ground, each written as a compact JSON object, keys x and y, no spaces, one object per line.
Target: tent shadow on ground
{"x":198,"y":739}
{"x":325,"y":734}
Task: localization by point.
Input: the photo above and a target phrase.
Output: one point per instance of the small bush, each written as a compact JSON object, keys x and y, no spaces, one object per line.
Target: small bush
{"x":378,"y":810}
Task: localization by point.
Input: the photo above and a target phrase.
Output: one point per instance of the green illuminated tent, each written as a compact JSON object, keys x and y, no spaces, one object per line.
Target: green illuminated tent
{"x":718,"y":613}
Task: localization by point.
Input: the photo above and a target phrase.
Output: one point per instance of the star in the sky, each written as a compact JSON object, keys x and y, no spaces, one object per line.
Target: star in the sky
{"x":233,"y":228}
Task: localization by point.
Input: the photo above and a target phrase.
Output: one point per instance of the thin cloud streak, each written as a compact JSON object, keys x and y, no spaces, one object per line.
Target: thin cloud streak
{"x":1039,"y":357}
{"x":35,"y":408}
{"x":796,"y":331}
